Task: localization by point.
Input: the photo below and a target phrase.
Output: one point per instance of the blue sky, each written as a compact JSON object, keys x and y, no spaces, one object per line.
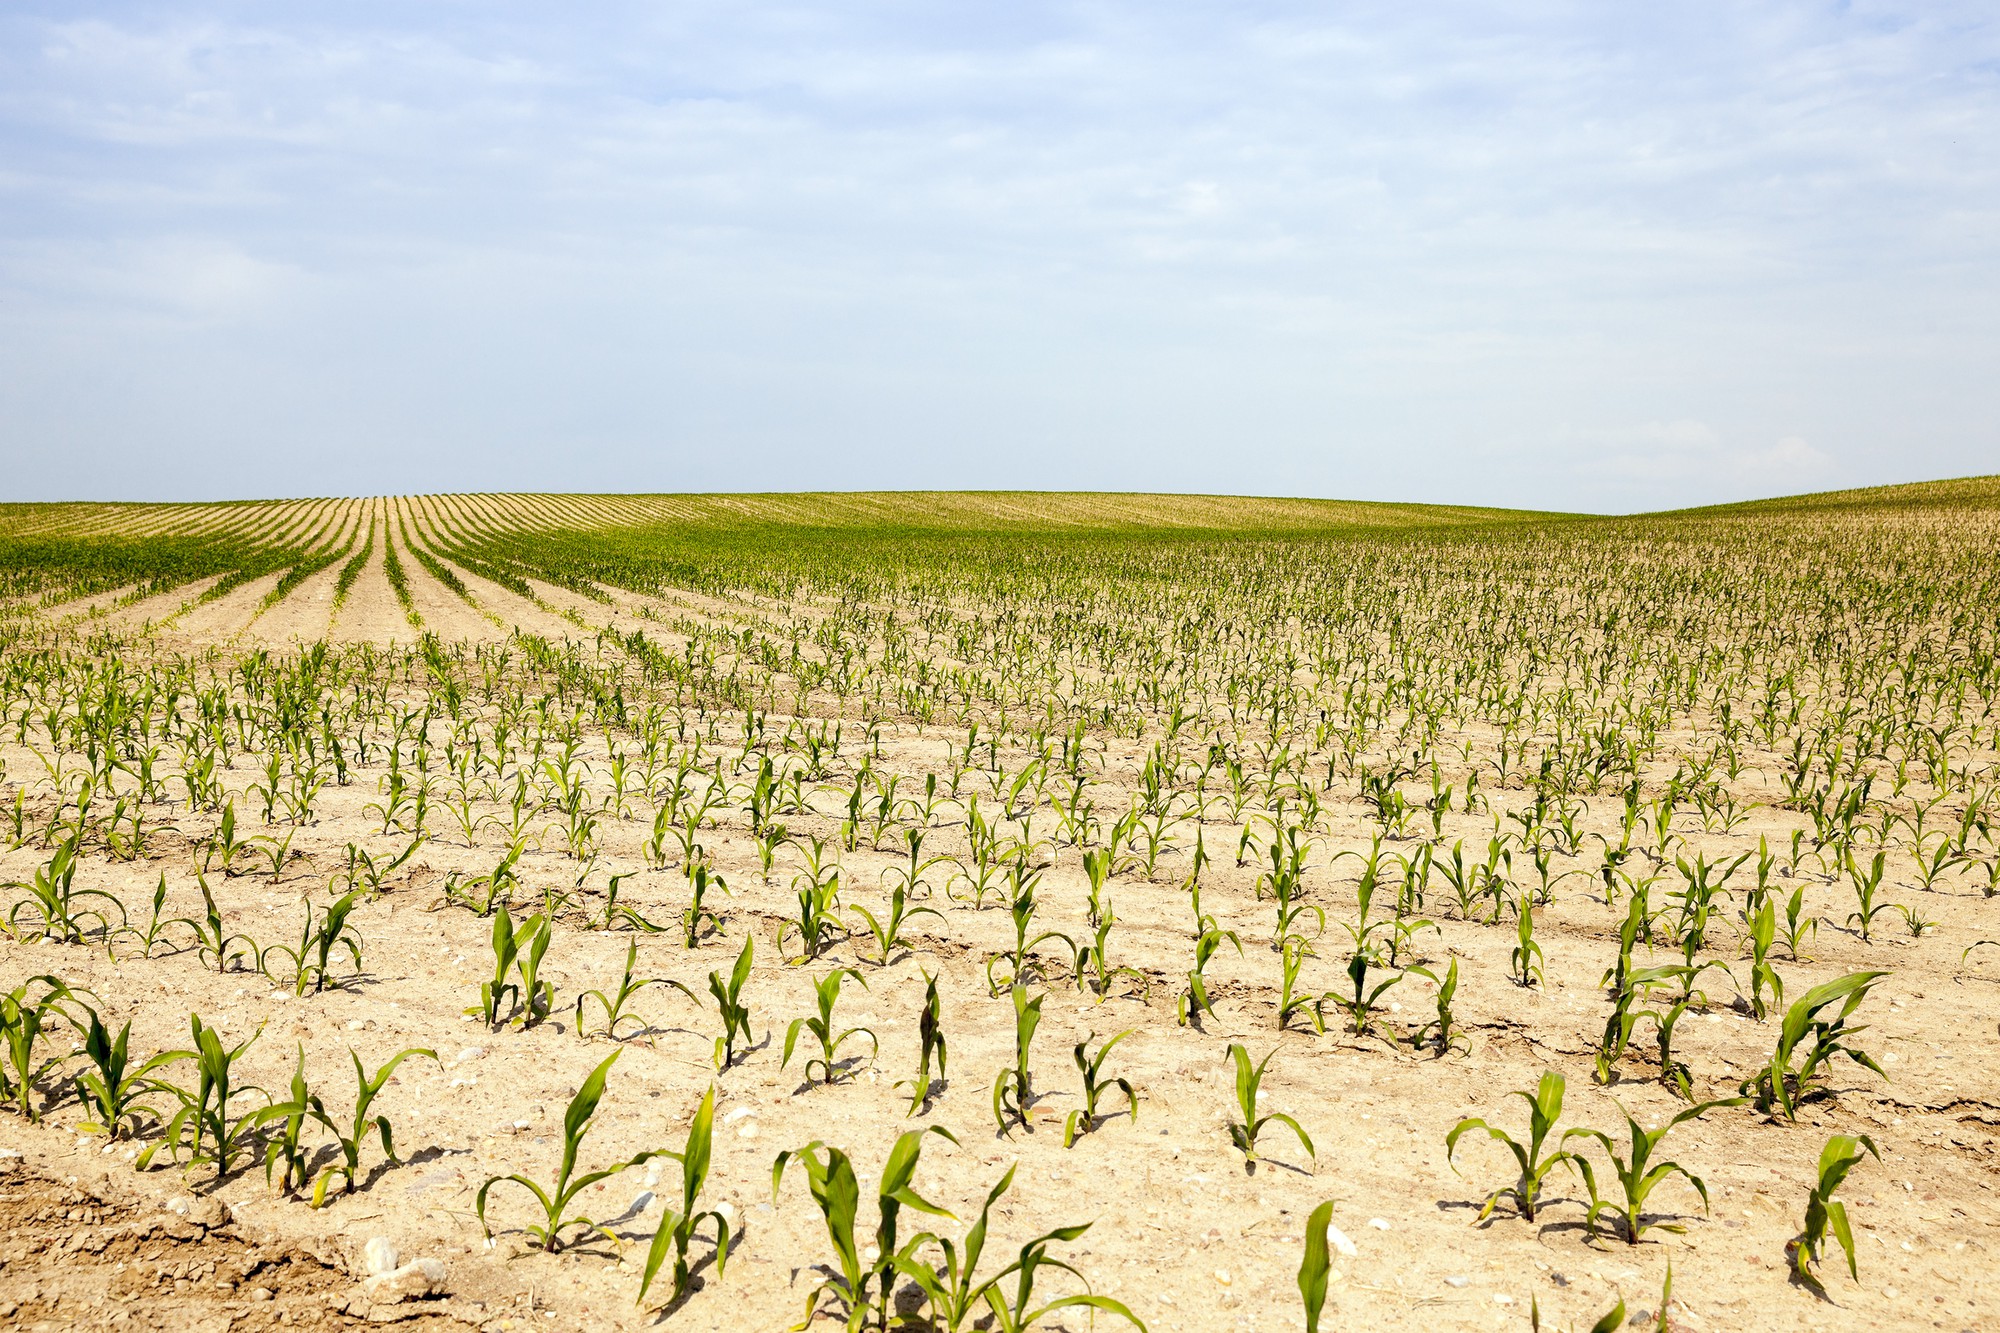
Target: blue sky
{"x":1584,"y":256}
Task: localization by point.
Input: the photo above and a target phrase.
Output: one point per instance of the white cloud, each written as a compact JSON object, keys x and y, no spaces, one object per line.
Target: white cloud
{"x":1281,"y":251}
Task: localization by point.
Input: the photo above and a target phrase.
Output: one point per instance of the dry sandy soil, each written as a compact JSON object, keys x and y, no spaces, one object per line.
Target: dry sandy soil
{"x":1180,"y":1228}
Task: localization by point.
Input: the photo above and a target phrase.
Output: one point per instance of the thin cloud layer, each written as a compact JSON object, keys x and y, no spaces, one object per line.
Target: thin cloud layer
{"x":1475,"y":253}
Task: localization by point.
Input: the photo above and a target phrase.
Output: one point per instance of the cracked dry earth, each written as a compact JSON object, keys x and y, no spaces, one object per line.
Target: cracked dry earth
{"x":76,"y":1255}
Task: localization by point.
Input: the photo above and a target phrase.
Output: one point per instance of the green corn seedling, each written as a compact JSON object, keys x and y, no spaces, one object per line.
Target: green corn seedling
{"x":930,"y":1036}
{"x":226,"y":847}
{"x":888,"y":929}
{"x":517,"y":952}
{"x":1316,"y":1265}
{"x":1293,"y":951}
{"x":818,"y":923}
{"x":955,"y":1294}
{"x":831,"y":1180}
{"x":1824,"y":1213}
{"x":214,"y":943}
{"x":678,"y":1227}
{"x":285,"y":1154}
{"x":617,"y":915}
{"x":1527,"y":956}
{"x":23,"y":1023}
{"x":1799,"y":924}
{"x":1637,"y":1173}
{"x":1362,"y":1004}
{"x":1015,"y":1311}
{"x":1013,"y":1090}
{"x":822,"y":1028}
{"x":349,"y":1140}
{"x":1194,"y":1002}
{"x":62,"y":909}
{"x":1673,"y":1073}
{"x":1026,"y":940}
{"x":208,"y":1129}
{"x":311,"y":962}
{"x":493,"y":994}
{"x":1792,"y":1072}
{"x":1544,"y":1111}
{"x":697,"y":916}
{"x":1763,"y":976}
{"x":112,"y":1092}
{"x":1867,"y":883}
{"x":1094,"y":969}
{"x":614,"y":1005}
{"x":1443,"y":1033}
{"x":1245,"y":1132}
{"x":481,"y":894}
{"x":729,"y":1005}
{"x":1084,"y":1119}
{"x":555,"y":1200}
{"x":155,"y":932}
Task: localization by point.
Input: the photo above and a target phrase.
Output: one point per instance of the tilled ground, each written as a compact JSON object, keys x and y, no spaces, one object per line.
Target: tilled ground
{"x":76,"y":1255}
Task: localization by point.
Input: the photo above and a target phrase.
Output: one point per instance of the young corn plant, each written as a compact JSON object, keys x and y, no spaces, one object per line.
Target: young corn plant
{"x":729,"y":1005}
{"x":1362,"y":1004}
{"x":1094,"y":969}
{"x":209,"y":1128}
{"x":1084,"y":1119}
{"x":624,"y":916}
{"x":113,"y":1093}
{"x":1527,"y":957}
{"x":155,"y":932}
{"x":1293,"y":951}
{"x":1013,"y":1090}
{"x":823,"y":1029}
{"x":1807,"y":1044}
{"x":1867,"y":884}
{"x":1019,"y":962}
{"x":517,"y":952}
{"x":1245,"y":1132}
{"x":1015,"y":1311}
{"x":1191,"y":1004}
{"x":350,"y":1139}
{"x":1316,"y":1265}
{"x":930,"y":1036}
{"x":698,"y":919}
{"x":887,"y":930}
{"x":1675,"y":1074}
{"x":1443,"y":1033}
{"x":224,"y":846}
{"x":1544,"y":1111}
{"x":678,"y":1227}
{"x":955,"y":1293}
{"x":1636,"y":1173}
{"x":831,"y":1180}
{"x":555,"y":1200}
{"x":61,"y":909}
{"x":1799,"y":925}
{"x":615,"y":1005}
{"x":1826,"y":1214}
{"x":481,"y":894}
{"x":818,"y":924}
{"x":1763,"y":976}
{"x":24,"y":1020}
{"x":214,"y":944}
{"x":311,"y":962}
{"x":285,"y":1154}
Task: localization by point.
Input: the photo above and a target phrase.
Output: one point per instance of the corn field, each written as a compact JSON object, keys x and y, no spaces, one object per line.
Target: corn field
{"x":1178,"y":912}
